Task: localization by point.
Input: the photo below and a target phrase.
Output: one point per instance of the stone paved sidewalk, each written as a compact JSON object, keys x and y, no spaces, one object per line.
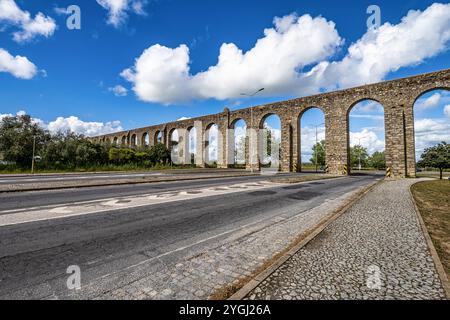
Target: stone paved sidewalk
{"x":376,"y":250}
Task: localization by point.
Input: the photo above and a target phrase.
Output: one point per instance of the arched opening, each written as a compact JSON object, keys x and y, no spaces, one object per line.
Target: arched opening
{"x":145,"y":139}
{"x":158,"y":137}
{"x":115,"y":141}
{"x":211,"y":145}
{"x":133,"y":141}
{"x":366,"y":144}
{"x":192,"y":144}
{"x":239,"y":149}
{"x":312,"y":141}
{"x":431,"y":130}
{"x":173,"y":146}
{"x":270,"y":143}
{"x":124,"y":140}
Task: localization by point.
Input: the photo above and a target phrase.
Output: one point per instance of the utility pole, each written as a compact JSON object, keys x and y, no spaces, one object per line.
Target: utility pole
{"x":251,"y":123}
{"x":34,"y":150}
{"x":317,"y":145}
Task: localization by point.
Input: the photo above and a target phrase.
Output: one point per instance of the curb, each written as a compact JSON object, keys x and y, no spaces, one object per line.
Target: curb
{"x":324,"y":223}
{"x":437,"y":261}
{"x":122,"y":183}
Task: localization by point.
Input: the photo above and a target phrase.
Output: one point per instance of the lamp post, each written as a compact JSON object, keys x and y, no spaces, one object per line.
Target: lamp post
{"x":359,"y":155}
{"x":34,"y":150}
{"x":251,"y":119}
{"x":317,"y":142}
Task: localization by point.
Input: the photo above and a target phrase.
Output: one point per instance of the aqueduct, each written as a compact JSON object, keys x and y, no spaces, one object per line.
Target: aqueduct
{"x":397,"y":97}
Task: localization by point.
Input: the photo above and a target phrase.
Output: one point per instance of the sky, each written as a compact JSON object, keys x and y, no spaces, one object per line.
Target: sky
{"x":136,"y":63}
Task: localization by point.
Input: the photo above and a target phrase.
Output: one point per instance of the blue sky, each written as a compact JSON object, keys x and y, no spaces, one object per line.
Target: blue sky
{"x":76,"y":71}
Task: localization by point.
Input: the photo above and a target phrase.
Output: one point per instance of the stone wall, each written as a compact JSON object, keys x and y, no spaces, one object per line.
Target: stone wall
{"x":396,"y":96}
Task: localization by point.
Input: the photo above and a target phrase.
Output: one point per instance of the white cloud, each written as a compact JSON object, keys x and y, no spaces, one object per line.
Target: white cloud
{"x":278,"y":60}
{"x":19,"y":66}
{"x":118,"y":10}
{"x":368,"y":139}
{"x":30,"y":27}
{"x":183,"y":118}
{"x":447,"y":110}
{"x":308,"y":140}
{"x":74,"y":124}
{"x":428,"y":103}
{"x":429,"y":132}
{"x":119,"y":91}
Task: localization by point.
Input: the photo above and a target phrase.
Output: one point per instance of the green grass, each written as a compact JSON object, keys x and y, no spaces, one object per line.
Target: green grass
{"x":432,"y":198}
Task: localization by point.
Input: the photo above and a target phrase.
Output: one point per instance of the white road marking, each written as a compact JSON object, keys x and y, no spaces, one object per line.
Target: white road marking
{"x":61,"y":210}
{"x":28,"y":215}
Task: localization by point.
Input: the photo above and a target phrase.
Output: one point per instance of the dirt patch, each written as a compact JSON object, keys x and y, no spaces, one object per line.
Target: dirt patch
{"x":432,"y":199}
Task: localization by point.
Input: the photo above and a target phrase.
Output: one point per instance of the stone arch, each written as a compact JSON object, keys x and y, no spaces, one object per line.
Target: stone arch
{"x":269,"y":142}
{"x":212,"y":132}
{"x":305,"y":143}
{"x":124,"y":141}
{"x":238,"y":143}
{"x":416,"y":144}
{"x":173,"y":141}
{"x":159,"y":137}
{"x":115,"y":141}
{"x":133,"y":142}
{"x":367,"y":139}
{"x":192,"y":144}
{"x":145,"y":139}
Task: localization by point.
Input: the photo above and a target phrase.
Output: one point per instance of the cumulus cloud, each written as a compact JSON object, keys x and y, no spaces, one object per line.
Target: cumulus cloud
{"x":119,"y":91}
{"x":40,"y":25}
{"x":430,"y":102}
{"x":447,"y":110}
{"x":74,"y":124}
{"x":429,"y":132}
{"x":118,"y":10}
{"x":19,"y":66}
{"x":292,"y":59}
{"x":368,"y":139}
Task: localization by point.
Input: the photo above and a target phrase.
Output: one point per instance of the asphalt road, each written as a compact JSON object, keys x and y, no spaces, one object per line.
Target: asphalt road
{"x":11,"y":179}
{"x":106,"y":245}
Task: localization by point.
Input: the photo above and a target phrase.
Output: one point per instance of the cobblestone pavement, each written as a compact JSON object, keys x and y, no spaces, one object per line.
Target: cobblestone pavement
{"x":376,"y":250}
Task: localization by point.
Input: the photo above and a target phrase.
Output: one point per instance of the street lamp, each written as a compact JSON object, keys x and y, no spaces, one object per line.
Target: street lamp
{"x":251,"y":117}
{"x":34,"y":150}
{"x":317,"y":141}
{"x":359,"y":156}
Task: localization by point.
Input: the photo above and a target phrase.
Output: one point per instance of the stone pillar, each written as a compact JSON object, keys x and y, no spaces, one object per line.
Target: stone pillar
{"x":395,"y":139}
{"x":222,"y":162}
{"x":183,"y":146}
{"x":200,"y":139}
{"x":252,"y":155}
{"x":230,"y":147}
{"x":296,"y":146}
{"x":410,"y":140}
{"x":337,"y":140}
{"x":286,"y":146}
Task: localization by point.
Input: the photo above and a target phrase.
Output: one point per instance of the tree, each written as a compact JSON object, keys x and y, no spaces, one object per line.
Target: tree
{"x":159,"y":154}
{"x":318,"y":153}
{"x":377,"y":160}
{"x":17,"y":136}
{"x":358,"y":154}
{"x":437,"y":157}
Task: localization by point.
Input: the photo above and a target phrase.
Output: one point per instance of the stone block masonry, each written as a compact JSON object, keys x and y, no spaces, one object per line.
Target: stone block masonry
{"x":397,"y":97}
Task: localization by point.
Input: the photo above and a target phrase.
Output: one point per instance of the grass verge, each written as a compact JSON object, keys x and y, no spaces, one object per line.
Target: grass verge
{"x":432,"y":199}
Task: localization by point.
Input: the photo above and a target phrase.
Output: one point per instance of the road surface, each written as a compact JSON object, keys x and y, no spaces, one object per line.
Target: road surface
{"x":120,"y":236}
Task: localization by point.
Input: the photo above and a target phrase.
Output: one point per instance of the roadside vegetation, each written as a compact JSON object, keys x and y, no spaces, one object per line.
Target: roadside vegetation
{"x":358,"y":154}
{"x":433,"y":201}
{"x":69,"y":152}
